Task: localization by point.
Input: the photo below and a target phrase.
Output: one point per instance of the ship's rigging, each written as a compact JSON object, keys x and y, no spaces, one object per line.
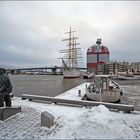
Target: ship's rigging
{"x":72,"y":55}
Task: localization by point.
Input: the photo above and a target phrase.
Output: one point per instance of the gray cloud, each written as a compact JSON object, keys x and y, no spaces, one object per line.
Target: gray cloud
{"x":31,"y":32}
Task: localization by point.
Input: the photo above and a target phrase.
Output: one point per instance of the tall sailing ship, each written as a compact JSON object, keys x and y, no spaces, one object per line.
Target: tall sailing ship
{"x":72,"y":56}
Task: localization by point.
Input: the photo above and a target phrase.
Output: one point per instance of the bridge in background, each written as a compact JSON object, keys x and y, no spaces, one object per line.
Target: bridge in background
{"x":45,"y":70}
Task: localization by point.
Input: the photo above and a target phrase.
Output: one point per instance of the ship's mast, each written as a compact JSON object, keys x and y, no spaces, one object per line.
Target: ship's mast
{"x":75,"y":52}
{"x":69,"y":51}
{"x":72,"y":50}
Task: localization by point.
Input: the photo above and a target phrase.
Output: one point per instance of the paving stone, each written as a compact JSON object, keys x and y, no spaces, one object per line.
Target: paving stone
{"x":18,"y":125}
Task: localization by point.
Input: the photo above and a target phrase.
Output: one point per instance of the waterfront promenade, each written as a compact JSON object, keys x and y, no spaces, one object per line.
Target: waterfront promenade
{"x":70,"y":122}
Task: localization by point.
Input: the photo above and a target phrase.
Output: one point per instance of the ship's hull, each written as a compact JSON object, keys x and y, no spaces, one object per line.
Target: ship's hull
{"x":73,"y":73}
{"x":110,"y":97}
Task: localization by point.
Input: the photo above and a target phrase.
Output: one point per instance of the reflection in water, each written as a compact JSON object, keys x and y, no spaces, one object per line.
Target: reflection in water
{"x":45,"y":85}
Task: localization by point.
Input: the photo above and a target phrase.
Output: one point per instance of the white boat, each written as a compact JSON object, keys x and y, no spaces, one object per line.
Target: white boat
{"x":126,"y":76}
{"x":71,"y":57}
{"x":104,"y":90}
{"x":88,"y":75}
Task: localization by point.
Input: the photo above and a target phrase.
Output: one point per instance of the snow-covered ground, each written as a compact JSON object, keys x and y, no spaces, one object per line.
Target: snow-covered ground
{"x":70,"y":122}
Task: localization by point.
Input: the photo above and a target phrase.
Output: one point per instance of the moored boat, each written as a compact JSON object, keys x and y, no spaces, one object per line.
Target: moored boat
{"x":88,"y":75}
{"x":126,"y":76}
{"x":104,"y":90}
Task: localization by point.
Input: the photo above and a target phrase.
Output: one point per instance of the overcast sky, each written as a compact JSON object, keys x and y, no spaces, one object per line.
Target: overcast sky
{"x":31,"y":32}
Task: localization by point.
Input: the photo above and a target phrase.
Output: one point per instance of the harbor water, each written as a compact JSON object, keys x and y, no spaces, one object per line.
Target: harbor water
{"x":53,"y":85}
{"x":44,"y":85}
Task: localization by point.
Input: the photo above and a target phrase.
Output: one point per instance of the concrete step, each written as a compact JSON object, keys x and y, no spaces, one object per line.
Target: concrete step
{"x":6,"y":112}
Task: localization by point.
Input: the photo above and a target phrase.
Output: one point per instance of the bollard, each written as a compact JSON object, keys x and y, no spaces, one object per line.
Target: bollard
{"x":86,"y":89}
{"x":47,"y":119}
{"x":79,"y":93}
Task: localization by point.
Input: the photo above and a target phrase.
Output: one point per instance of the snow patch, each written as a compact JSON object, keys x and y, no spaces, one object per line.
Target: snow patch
{"x":70,"y":122}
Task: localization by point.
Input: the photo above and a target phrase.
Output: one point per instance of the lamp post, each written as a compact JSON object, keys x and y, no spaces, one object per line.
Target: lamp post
{"x":98,"y":42}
